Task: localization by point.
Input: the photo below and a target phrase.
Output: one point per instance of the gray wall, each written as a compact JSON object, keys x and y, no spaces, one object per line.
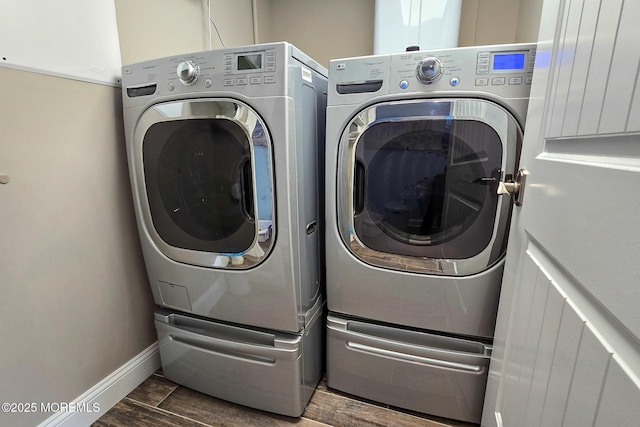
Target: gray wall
{"x":485,"y":22}
{"x":75,"y":302}
{"x":151,"y":29}
{"x":326,"y":29}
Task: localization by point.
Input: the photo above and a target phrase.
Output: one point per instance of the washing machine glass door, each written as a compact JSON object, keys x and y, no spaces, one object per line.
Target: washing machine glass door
{"x":206,"y":175}
{"x":421,"y":180}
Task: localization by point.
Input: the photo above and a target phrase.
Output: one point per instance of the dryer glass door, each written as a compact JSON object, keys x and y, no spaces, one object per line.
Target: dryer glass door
{"x":207,"y":179}
{"x":425,"y":175}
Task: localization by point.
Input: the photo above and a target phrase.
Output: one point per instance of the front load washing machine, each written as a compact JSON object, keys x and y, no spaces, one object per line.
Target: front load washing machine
{"x":223,"y":149}
{"x":417,"y":146}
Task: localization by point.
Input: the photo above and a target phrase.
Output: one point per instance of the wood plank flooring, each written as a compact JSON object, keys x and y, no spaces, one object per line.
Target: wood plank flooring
{"x":158,"y":402}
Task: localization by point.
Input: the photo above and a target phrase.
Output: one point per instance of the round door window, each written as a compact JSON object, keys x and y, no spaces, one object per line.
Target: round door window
{"x":417,"y":184}
{"x":427,"y":188}
{"x":198,"y":176}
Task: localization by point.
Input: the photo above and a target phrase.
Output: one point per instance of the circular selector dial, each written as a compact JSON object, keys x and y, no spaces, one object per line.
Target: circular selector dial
{"x":188,"y":72}
{"x":429,"y":70}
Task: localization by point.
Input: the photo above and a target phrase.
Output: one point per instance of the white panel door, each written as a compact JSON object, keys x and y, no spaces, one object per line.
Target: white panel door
{"x":567,"y":342}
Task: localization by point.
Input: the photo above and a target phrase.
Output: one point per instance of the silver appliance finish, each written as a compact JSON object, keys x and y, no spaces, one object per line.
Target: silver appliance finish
{"x":390,"y":286}
{"x":223,"y":149}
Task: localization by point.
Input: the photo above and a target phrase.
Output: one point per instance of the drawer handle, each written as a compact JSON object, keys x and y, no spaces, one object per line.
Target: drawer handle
{"x":228,"y":350}
{"x":418,"y":359}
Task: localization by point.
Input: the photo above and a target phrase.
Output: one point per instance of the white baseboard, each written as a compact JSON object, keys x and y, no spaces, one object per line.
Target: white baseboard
{"x":109,"y":391}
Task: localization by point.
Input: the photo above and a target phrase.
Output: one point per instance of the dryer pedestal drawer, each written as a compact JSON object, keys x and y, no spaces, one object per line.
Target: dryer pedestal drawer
{"x":432,"y":374}
{"x":263,"y":370}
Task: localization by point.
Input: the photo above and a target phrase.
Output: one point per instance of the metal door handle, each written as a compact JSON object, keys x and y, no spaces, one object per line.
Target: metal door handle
{"x":4,"y":178}
{"x":514,"y":187}
{"x":508,"y":188}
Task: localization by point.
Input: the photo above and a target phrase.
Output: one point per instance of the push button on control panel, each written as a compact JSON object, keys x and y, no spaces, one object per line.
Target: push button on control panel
{"x":269,"y":79}
{"x":497,"y":81}
{"x":228,"y":64}
{"x":482,"y":64}
{"x":255,"y":80}
{"x":515,"y":80}
{"x":454,"y":81}
{"x":270,"y":61}
{"x":241,"y":81}
{"x":482,"y":82}
{"x":404,"y":84}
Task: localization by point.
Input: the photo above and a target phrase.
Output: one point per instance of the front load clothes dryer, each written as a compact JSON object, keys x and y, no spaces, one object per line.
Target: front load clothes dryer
{"x":223,"y":149}
{"x":418,"y":144}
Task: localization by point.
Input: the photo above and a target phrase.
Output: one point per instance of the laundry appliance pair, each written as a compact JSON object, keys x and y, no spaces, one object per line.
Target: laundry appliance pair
{"x":419,"y":144}
{"x":225,"y":152}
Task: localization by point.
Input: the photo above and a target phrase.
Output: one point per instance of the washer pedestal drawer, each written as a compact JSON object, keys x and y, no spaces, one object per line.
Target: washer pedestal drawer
{"x":262,"y":370}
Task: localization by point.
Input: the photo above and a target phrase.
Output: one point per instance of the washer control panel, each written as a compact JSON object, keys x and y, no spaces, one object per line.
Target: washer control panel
{"x":257,"y":70}
{"x":226,"y":68}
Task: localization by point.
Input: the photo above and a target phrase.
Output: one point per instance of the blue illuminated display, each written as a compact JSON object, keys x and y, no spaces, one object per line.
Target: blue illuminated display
{"x":508,"y":61}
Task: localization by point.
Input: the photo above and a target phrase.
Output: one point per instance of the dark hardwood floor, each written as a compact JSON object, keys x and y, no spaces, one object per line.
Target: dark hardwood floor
{"x":158,"y":402}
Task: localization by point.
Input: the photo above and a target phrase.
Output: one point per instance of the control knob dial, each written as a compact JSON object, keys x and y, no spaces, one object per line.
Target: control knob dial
{"x":429,"y":70}
{"x":188,"y":72}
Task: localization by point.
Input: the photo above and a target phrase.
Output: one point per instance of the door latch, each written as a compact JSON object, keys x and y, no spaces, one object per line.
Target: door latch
{"x":514,"y":187}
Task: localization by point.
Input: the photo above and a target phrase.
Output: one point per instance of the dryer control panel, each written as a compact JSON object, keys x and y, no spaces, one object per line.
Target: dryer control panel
{"x":502,"y":70}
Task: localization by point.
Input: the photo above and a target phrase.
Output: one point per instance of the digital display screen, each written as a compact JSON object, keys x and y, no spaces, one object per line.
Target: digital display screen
{"x":250,"y":62}
{"x":508,"y":61}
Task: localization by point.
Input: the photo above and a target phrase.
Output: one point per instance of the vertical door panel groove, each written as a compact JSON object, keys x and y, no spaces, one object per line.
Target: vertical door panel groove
{"x":618,"y":98}
{"x":582,"y":62}
{"x":605,"y":34}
